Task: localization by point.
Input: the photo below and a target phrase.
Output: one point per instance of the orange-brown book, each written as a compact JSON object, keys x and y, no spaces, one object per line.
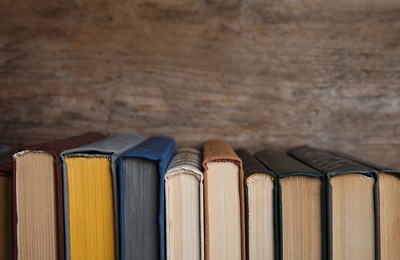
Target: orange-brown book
{"x":224,"y":232}
{"x":5,"y":211}
{"x":37,"y":198}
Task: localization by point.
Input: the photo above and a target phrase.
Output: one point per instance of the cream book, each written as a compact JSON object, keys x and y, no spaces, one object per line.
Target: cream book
{"x":224,"y":231}
{"x":184,"y":206}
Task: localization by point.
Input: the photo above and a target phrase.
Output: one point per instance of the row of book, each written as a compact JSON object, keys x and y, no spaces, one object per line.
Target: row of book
{"x":125,"y":197}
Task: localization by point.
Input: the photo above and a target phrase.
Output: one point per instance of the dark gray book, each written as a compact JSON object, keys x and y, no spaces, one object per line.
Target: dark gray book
{"x":351,"y":203}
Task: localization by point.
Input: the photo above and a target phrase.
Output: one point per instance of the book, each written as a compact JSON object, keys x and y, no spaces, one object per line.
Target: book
{"x":184,"y":206}
{"x":388,"y":206}
{"x":224,"y":225}
{"x":91,"y":197}
{"x":351,"y":194}
{"x":301,"y":204}
{"x":142,"y":196}
{"x":5,"y":211}
{"x":261,"y":212}
{"x":37,"y":198}
{"x":5,"y":154}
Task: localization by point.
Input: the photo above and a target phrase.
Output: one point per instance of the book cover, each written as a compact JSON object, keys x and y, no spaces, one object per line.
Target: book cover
{"x":224,"y":218}
{"x":91,"y":197}
{"x":5,"y":211}
{"x":351,"y":203}
{"x":184,"y":206}
{"x":301,"y":204}
{"x":142,"y":196}
{"x":260,"y":193}
{"x":37,"y":197}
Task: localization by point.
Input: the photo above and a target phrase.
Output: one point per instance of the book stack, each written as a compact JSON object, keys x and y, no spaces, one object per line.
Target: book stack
{"x":126,"y":197}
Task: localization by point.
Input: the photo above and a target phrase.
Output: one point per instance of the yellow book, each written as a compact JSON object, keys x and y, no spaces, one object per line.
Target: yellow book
{"x":91,"y":218}
{"x":90,"y":197}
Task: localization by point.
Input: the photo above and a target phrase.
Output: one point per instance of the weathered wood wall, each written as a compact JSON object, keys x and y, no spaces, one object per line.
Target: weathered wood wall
{"x":258,"y":72}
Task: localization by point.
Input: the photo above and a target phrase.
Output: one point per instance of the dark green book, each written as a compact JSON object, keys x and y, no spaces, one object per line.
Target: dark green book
{"x":260,"y":200}
{"x":301,"y":204}
{"x":351,"y":207}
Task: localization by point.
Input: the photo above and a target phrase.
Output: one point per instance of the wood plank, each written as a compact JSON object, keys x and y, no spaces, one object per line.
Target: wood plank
{"x":257,"y":73}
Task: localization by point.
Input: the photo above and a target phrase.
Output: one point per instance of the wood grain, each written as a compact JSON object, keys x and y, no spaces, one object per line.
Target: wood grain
{"x":257,"y":73}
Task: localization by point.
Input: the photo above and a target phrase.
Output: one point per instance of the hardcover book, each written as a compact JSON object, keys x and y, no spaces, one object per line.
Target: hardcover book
{"x":184,"y":206}
{"x":388,"y":204}
{"x":37,"y":198}
{"x":5,"y":211}
{"x":224,"y":225}
{"x":261,"y":218}
{"x":351,"y":208}
{"x":91,"y":198}
{"x":301,"y":204}
{"x":142,"y":194}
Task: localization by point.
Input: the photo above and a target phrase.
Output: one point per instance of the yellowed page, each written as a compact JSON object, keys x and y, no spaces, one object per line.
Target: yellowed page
{"x":36,"y":206}
{"x":91,"y":217}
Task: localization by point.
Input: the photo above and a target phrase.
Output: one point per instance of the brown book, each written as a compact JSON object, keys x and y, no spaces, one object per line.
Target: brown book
{"x":223,"y":202}
{"x":5,"y":211}
{"x":37,"y":198}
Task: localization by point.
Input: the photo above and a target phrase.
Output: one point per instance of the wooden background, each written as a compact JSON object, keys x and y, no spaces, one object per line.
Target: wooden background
{"x":258,"y":73}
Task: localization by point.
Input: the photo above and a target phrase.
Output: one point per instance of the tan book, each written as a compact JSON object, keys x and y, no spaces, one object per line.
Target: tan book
{"x":223,"y":202}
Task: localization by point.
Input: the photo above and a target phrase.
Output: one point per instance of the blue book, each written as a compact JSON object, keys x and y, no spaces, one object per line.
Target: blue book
{"x":141,"y":187}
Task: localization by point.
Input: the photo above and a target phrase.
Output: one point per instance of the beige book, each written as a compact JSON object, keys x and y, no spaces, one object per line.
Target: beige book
{"x":223,"y":202}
